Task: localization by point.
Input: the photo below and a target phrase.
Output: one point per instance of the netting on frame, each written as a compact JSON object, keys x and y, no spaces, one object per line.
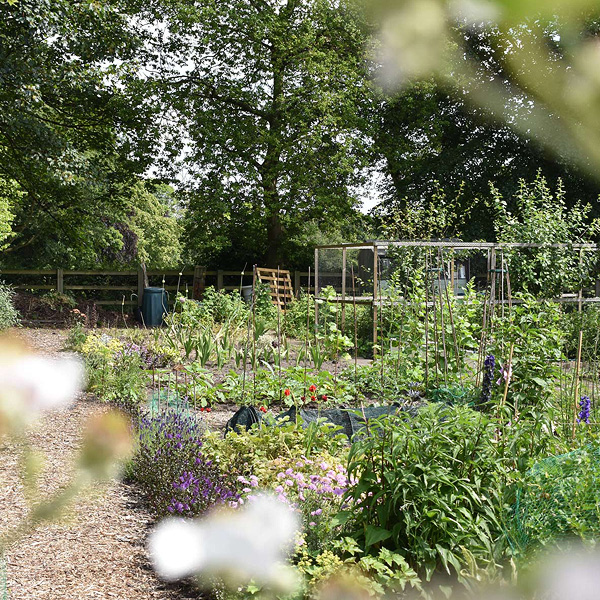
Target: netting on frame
{"x":559,"y":500}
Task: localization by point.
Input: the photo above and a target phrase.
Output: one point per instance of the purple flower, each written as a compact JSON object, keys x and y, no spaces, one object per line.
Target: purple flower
{"x":584,"y":413}
{"x":489,"y":364}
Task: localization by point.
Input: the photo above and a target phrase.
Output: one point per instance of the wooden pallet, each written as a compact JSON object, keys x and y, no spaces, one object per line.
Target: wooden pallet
{"x":280,"y":284}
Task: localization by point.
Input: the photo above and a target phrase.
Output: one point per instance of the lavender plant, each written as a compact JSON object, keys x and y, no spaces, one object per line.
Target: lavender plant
{"x":172,"y":469}
{"x":149,"y":359}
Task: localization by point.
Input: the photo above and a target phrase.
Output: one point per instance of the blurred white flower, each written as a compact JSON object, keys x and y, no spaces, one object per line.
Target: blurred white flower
{"x":176,"y":548}
{"x":413,"y":41}
{"x":571,"y":575}
{"x":475,"y":12}
{"x":31,"y":384}
{"x":248,"y":543}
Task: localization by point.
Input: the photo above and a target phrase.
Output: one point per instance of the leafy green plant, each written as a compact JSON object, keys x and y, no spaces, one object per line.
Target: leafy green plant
{"x":535,"y":330}
{"x":205,"y":346}
{"x":543,"y":217}
{"x":9,"y":316}
{"x":432,"y":486}
{"x":76,"y":337}
{"x":120,"y":380}
{"x":297,"y":313}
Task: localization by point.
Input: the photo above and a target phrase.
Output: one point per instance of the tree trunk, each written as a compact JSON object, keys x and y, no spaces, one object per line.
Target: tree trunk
{"x":274,"y":237}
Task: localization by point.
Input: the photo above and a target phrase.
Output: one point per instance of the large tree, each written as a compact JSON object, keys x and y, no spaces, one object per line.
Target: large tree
{"x":268,"y":101}
{"x":430,"y":136}
{"x":70,"y":139}
{"x":431,"y":141}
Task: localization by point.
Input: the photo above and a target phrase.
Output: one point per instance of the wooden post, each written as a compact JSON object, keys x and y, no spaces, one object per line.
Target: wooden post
{"x":343,"y":291}
{"x":140,"y":285}
{"x":219,"y":280}
{"x":316,"y":287}
{"x":577,"y":371}
{"x":297,"y":283}
{"x":375,"y":284}
{"x":60,"y":287}
{"x":199,"y":282}
{"x":580,"y":295}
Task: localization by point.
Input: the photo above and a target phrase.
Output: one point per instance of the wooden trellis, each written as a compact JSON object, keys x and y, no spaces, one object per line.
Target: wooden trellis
{"x":280,"y":285}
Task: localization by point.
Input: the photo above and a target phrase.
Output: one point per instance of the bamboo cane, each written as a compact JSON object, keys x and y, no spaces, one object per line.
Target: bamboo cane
{"x":577,"y":369}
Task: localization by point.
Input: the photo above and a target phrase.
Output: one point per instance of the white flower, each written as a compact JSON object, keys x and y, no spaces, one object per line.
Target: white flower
{"x":248,"y":543}
{"x":31,"y":384}
{"x":176,"y":549}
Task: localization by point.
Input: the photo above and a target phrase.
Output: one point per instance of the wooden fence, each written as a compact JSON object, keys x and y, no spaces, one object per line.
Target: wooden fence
{"x":129,"y":284}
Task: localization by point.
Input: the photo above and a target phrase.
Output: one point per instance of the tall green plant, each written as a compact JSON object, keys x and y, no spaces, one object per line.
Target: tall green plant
{"x":435,"y":486}
{"x":541,"y":216}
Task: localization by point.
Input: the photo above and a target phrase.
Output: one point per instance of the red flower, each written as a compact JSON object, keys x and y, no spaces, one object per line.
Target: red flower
{"x":312,"y":388}
{"x":263,"y":409}
{"x":208,"y":409}
{"x":286,"y":392}
{"x":324,"y":397}
{"x":313,"y":398}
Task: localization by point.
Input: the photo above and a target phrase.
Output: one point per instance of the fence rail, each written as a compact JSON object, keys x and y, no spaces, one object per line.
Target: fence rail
{"x":191,"y":281}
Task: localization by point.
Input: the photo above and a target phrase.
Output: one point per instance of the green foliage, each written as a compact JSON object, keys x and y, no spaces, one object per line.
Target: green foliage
{"x":299,"y":315}
{"x":114,"y":375}
{"x":438,"y":217}
{"x":72,"y":140}
{"x":559,"y":500}
{"x":10,"y":195}
{"x":536,"y":329}
{"x":158,"y":231}
{"x":379,"y":575}
{"x":435,"y":486}
{"x":9,"y":316}
{"x":76,"y":337}
{"x":269,"y":74}
{"x":588,"y":322}
{"x":248,"y":452}
{"x":119,"y":380}
{"x":263,"y":304}
{"x":220,"y":306}
{"x":264,"y":388}
{"x":543,"y":217}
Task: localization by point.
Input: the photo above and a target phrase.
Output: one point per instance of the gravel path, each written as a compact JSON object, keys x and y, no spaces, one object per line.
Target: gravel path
{"x":98,"y":550}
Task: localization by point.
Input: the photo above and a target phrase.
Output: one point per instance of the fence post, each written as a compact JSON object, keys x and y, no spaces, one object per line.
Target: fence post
{"x":297,"y":283}
{"x":140,"y":284}
{"x":219,"y":280}
{"x":199,"y":282}
{"x":60,"y":286}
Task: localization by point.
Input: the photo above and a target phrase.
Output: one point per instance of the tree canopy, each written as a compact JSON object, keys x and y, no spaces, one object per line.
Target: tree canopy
{"x":270,"y":103}
{"x":235,"y":132}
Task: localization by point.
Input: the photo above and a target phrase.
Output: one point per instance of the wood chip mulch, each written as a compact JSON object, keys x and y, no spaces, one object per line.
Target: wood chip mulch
{"x":98,"y":550}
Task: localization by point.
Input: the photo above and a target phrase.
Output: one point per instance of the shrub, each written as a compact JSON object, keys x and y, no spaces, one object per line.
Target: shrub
{"x":219,"y":306}
{"x":296,"y":315}
{"x":559,"y":500}
{"x":114,"y":374}
{"x":174,"y":472}
{"x":9,"y":316}
{"x":536,"y":330}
